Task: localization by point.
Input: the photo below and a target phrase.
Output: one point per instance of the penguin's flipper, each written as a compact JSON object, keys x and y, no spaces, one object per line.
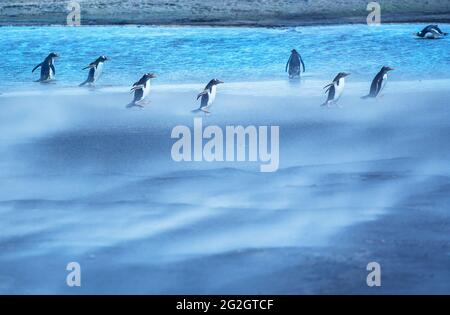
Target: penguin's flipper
{"x":204,"y":92}
{"x":89,"y":66}
{"x":328,"y":87}
{"x":439,"y":30}
{"x":53,"y":69}
{"x":303,"y":64}
{"x":136,"y":87}
{"x":39,"y":65}
{"x":287,"y":64}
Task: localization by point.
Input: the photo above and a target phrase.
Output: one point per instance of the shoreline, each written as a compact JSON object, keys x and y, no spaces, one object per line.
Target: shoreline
{"x":265,"y":87}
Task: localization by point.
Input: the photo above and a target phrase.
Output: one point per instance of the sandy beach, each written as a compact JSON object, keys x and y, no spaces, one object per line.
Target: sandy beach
{"x":229,"y":12}
{"x":365,"y":182}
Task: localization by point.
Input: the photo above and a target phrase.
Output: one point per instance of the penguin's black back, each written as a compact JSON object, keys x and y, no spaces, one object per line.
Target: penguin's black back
{"x":45,"y":71}
{"x":138,"y":95}
{"x":91,"y":75}
{"x":331,"y":93}
{"x":376,"y":84}
{"x":204,"y":101}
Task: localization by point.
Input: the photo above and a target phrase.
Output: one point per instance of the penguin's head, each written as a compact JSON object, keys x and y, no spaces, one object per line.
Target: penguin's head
{"x":53,"y":55}
{"x":420,"y":34}
{"x":103,"y":58}
{"x":216,"y":81}
{"x":386,"y":69}
{"x":294,"y":51}
{"x":149,"y":76}
{"x":343,"y":74}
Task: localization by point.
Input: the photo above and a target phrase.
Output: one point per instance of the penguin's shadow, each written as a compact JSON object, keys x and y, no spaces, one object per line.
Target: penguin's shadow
{"x":296,"y":81}
{"x":46,"y":82}
{"x":423,"y":38}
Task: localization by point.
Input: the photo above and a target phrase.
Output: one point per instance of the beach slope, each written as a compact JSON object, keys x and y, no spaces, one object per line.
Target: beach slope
{"x":227,"y":12}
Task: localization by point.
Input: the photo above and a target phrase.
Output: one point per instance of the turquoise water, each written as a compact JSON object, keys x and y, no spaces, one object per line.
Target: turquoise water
{"x":196,"y":54}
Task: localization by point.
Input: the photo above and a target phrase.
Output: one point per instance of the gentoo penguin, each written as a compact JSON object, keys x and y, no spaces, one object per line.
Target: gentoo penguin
{"x":335,"y":88}
{"x":379,"y":82}
{"x":141,"y":89}
{"x":295,"y":65}
{"x":96,"y":69}
{"x":208,"y":96}
{"x":431,"y":32}
{"x":47,"y":68}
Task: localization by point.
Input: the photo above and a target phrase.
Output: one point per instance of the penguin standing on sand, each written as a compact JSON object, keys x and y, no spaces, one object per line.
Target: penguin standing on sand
{"x":95,"y":70}
{"x":335,"y":89}
{"x":431,"y":32}
{"x":379,"y":82}
{"x":48,"y":71}
{"x":208,"y":96}
{"x":141,"y":89}
{"x":295,"y":65}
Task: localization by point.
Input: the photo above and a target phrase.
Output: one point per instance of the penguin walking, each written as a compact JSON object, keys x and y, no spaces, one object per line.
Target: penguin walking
{"x":95,"y":70}
{"x":141,"y":89}
{"x":335,"y":89}
{"x":295,"y":65}
{"x":379,"y":82}
{"x":48,"y":70}
{"x":431,"y":32}
{"x":208,"y":96}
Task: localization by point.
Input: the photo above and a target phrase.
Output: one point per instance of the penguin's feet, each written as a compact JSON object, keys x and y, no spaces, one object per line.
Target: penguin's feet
{"x":131,"y":105}
{"x":143,"y":103}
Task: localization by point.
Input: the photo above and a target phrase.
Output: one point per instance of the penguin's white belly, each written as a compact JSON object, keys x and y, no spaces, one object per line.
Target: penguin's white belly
{"x":145,"y":90}
{"x":98,"y":71}
{"x":383,"y":82}
{"x":432,"y":35}
{"x":211,"y":96}
{"x":339,"y":88}
{"x":51,"y":74}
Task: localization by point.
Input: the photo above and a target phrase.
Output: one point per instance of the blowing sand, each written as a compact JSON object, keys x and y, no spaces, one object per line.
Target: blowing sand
{"x":86,"y":180}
